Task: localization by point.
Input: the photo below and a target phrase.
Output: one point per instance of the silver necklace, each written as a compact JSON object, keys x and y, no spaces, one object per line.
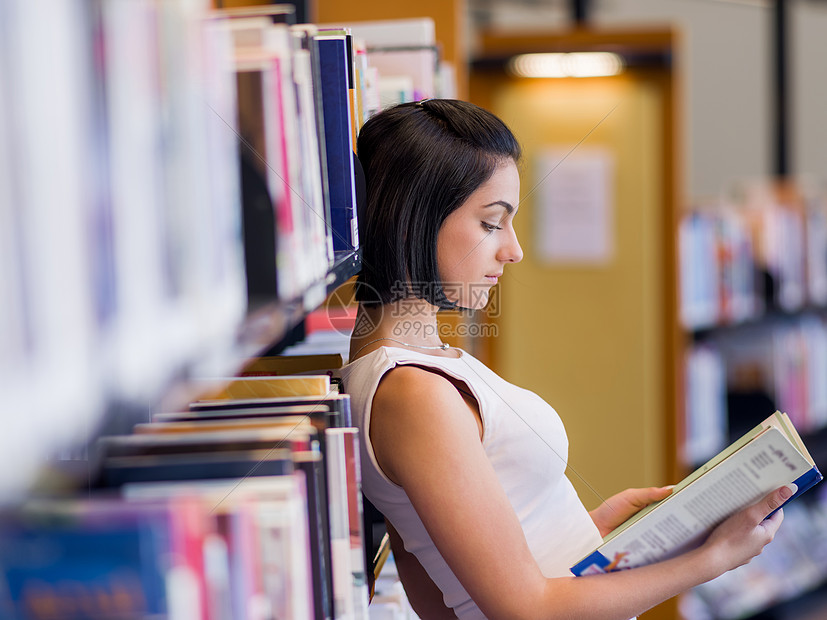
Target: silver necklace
{"x":443,"y":346}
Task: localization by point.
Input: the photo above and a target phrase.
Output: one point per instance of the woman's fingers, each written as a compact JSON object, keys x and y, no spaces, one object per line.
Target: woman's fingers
{"x":744,"y":535}
{"x":772,"y":502}
{"x":641,"y":498}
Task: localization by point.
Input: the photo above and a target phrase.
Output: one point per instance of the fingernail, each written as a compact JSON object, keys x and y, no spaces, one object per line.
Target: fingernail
{"x":789,"y":490}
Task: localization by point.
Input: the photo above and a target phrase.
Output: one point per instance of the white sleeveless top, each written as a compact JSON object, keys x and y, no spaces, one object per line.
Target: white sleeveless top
{"x":526,"y":443}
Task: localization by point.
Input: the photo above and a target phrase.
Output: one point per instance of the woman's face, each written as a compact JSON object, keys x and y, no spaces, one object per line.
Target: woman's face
{"x":478,"y":239}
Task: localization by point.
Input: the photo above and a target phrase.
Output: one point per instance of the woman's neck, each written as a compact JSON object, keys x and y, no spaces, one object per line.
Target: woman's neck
{"x":410,"y":322}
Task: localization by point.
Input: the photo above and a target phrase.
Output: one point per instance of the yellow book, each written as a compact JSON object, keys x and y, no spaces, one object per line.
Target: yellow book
{"x":290,"y":427}
{"x":292,"y":364}
{"x":247,"y":388}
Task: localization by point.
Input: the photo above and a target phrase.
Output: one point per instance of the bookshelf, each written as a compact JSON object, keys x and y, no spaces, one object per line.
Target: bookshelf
{"x":183,"y":139}
{"x":753,"y":305}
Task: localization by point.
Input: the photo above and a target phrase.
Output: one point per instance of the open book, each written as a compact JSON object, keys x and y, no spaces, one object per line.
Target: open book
{"x":768,"y":457}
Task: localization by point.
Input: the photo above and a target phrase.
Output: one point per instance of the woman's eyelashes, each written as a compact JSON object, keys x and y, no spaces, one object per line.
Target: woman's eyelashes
{"x":490,"y":227}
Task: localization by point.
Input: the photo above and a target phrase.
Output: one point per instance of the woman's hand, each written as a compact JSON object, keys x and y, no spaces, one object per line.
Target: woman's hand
{"x":745,"y":534}
{"x":620,"y":507}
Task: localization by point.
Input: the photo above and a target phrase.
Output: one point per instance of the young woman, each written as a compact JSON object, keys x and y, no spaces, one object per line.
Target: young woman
{"x":467,"y":468}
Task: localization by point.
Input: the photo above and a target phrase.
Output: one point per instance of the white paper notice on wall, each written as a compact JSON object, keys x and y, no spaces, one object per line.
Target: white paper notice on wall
{"x":575,"y":205}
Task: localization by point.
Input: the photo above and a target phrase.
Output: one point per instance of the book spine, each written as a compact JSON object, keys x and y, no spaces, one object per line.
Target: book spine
{"x":355,"y":515}
{"x":336,"y":462}
{"x":338,"y":143}
{"x":318,"y":525}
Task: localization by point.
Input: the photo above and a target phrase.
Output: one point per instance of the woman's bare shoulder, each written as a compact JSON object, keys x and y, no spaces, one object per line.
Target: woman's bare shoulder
{"x":407,"y":380}
{"x":415,"y":411}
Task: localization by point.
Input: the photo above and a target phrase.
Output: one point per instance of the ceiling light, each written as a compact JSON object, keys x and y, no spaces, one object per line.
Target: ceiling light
{"x":570,"y":64}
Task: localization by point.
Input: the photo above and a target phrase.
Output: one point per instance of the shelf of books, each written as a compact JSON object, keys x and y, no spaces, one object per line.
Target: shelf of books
{"x":753,"y":274}
{"x":178,"y":191}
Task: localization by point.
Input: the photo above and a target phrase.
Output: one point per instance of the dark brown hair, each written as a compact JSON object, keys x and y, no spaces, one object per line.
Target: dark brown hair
{"x":421,"y":161}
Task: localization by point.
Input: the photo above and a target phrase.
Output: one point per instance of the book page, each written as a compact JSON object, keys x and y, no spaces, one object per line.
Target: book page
{"x":690,"y":479}
{"x":684,"y":520}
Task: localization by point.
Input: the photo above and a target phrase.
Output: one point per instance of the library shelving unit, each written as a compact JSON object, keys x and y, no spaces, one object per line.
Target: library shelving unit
{"x":753,"y":306}
{"x":124,"y":204}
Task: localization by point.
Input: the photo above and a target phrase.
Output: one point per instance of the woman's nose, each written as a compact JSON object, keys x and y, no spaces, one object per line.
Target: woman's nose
{"x":511,"y":252}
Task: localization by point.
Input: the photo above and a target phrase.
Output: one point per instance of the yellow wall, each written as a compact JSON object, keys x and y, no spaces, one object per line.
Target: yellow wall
{"x":589,"y":339}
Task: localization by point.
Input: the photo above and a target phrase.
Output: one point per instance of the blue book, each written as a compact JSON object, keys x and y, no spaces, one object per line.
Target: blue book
{"x":335,"y":96}
{"x":768,"y":457}
{"x":92,"y":564}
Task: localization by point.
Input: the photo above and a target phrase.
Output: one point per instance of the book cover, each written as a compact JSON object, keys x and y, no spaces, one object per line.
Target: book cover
{"x":275,"y":13}
{"x":306,"y":35}
{"x":336,"y":407}
{"x":338,"y":141}
{"x":312,"y":464}
{"x":353,"y":473}
{"x":247,"y":587}
{"x":295,"y":436}
{"x":86,"y":559}
{"x":269,"y":552}
{"x":344,"y":601}
{"x":291,"y":364}
{"x":332,"y":411}
{"x":311,"y":406}
{"x":121,"y":470}
{"x":279,"y":164}
{"x":313,"y":412}
{"x":319,"y":251}
{"x":265,"y":423}
{"x":766,"y":458}
{"x":234,"y":388}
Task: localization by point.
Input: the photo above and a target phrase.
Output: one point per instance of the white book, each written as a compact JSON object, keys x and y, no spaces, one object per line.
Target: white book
{"x":401,"y":48}
{"x":344,"y":600}
{"x":353,"y":472}
{"x":770,"y":456}
{"x":816,"y":251}
{"x":320,"y":249}
{"x":227,"y":295}
{"x":814,"y":334}
{"x":280,"y":43}
{"x":14,"y":326}
{"x":418,"y":31}
{"x":134,"y":109}
{"x":706,"y":411}
{"x":47,"y":107}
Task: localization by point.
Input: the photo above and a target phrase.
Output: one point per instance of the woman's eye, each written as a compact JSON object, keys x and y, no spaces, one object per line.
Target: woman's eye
{"x":490,"y":227}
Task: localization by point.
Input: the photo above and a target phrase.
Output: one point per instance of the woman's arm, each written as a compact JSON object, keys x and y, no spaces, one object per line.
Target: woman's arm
{"x":426,"y":439}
